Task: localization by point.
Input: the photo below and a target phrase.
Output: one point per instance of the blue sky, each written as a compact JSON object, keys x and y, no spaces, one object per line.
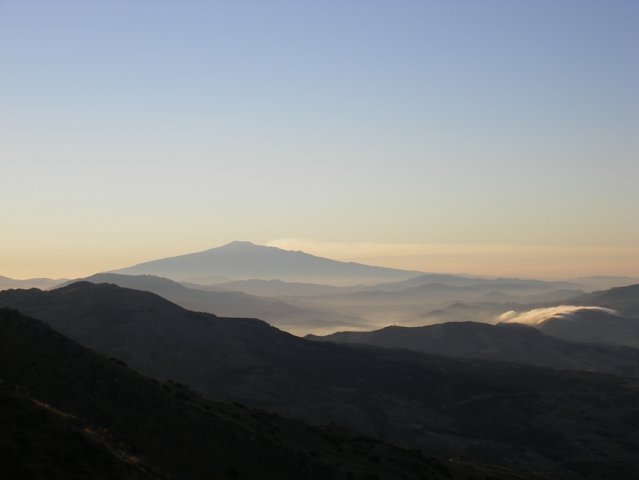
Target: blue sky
{"x":136,"y":129}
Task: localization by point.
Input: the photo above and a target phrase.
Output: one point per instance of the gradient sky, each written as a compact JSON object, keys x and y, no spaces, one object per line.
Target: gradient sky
{"x":486,"y":137}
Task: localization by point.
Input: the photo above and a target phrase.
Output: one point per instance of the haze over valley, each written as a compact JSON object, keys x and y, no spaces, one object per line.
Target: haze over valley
{"x":244,"y":288}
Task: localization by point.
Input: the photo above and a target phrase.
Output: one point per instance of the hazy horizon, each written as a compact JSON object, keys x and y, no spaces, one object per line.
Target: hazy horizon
{"x":404,"y":258}
{"x":488,"y":138}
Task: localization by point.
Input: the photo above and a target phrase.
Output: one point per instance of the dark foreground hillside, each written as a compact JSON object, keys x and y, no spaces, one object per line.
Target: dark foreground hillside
{"x":560,"y":423}
{"x":39,"y":442}
{"x":70,"y":413}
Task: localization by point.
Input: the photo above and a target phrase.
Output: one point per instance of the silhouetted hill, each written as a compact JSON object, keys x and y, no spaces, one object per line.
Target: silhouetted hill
{"x":623,"y":299}
{"x":594,"y":327}
{"x":69,"y":413}
{"x":229,"y":303}
{"x":506,"y":342}
{"x":245,"y":260}
{"x":530,"y":418}
{"x":607,"y":317}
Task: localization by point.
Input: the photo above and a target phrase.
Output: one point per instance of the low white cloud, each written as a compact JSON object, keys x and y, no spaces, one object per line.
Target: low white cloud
{"x":538,"y":316}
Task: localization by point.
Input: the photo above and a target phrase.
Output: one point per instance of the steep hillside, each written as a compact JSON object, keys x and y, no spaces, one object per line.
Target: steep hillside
{"x":69,"y":413}
{"x":38,"y":442}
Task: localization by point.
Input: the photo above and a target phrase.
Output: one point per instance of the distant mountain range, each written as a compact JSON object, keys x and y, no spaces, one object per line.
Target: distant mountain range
{"x":230,"y":303}
{"x":497,"y":284}
{"x":604,"y":282}
{"x":494,"y":412}
{"x":270,"y":271}
{"x":245,"y":260}
{"x":314,"y":308}
{"x":310,"y":294}
{"x":604,"y":317}
{"x":43,"y":283}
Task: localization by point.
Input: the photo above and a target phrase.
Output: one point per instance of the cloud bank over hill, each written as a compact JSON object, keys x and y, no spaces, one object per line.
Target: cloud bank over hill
{"x":539,"y":316}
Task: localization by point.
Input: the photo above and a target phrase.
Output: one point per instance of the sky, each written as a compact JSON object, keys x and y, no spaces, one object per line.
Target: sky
{"x":494,"y":137}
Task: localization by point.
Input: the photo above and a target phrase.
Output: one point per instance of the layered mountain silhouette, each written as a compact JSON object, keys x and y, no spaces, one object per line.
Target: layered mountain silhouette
{"x":507,"y":342}
{"x":604,"y":282}
{"x":442,"y":294}
{"x":533,"y":419}
{"x":323,"y":295}
{"x":430,"y":298}
{"x":594,"y":327}
{"x":488,"y":284}
{"x":451,"y":288}
{"x":608,"y":317}
{"x":245,"y":260}
{"x":231,"y":303}
{"x":7,"y":283}
{"x":70,"y":413}
{"x":582,"y":324}
{"x":624,"y":300}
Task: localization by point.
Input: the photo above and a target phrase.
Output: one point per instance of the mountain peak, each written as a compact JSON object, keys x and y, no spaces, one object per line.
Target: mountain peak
{"x":239,"y":244}
{"x":243,"y":260}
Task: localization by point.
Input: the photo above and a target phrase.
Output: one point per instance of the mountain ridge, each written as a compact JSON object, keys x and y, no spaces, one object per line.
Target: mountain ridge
{"x":242,"y":260}
{"x":229,"y":303}
{"x":506,"y":342}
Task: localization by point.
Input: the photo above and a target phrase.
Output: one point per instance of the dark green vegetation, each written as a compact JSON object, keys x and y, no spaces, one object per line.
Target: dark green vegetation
{"x":563,"y":424}
{"x":70,"y":413}
{"x":506,"y":342}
